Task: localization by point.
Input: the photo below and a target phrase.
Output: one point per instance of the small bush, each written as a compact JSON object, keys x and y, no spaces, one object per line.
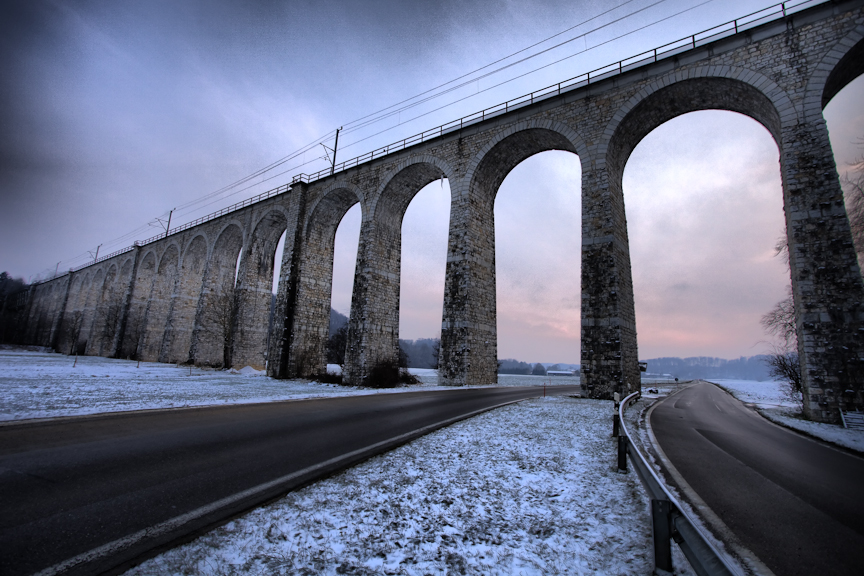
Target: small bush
{"x":389,"y":375}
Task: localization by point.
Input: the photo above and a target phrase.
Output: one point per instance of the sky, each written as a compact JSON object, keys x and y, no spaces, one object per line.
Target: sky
{"x":114,"y":112}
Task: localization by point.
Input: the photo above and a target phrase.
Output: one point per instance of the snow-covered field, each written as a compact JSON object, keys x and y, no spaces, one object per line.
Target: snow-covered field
{"x":768,"y":397}
{"x":43,"y":384}
{"x":530,"y":488}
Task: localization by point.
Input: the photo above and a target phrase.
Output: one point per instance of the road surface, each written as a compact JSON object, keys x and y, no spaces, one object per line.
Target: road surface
{"x":87,"y":488}
{"x":796,"y":503}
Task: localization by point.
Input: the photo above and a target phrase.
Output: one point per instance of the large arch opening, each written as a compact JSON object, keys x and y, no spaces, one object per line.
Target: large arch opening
{"x":92,"y":300}
{"x":309,"y":312}
{"x":844,"y":116}
{"x":254,"y":286}
{"x":643,"y":117}
{"x":421,"y":278}
{"x":107,"y":314}
{"x":186,"y":294}
{"x":373,"y":330}
{"x":538,"y":221}
{"x":345,"y":246}
{"x":704,"y":214}
{"x":469,"y":340}
{"x":216,"y":311}
{"x":71,"y":317}
{"x":136,"y":316}
{"x":159,"y":304}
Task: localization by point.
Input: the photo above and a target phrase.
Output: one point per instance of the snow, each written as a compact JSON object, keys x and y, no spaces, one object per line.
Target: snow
{"x":531,"y":488}
{"x":41,"y":384}
{"x":768,"y":397}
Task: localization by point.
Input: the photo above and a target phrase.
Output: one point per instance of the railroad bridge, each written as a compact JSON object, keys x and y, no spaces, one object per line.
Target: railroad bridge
{"x":175,"y":298}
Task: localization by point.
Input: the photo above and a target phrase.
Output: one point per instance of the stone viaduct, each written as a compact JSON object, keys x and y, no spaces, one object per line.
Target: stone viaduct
{"x":175,"y":299}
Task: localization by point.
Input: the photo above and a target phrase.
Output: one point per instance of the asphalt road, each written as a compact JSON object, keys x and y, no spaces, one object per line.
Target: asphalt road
{"x":794,"y":502}
{"x":71,"y":486}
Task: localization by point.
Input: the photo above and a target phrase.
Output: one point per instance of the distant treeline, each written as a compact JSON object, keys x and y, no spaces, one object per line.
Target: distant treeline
{"x":743,"y":368}
{"x":423,"y":353}
{"x":420,"y":353}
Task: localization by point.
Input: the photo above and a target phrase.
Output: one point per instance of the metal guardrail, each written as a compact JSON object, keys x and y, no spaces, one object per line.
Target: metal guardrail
{"x":670,"y":49}
{"x":670,"y":521}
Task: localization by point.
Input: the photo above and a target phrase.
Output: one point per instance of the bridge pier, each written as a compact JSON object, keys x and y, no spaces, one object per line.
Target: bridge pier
{"x":826,"y":278}
{"x":373,"y":325}
{"x":609,"y":357}
{"x":469,"y":333}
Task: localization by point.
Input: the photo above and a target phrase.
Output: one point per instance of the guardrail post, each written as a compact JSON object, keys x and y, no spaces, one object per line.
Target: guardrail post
{"x":622,"y":453}
{"x":661,"y":518}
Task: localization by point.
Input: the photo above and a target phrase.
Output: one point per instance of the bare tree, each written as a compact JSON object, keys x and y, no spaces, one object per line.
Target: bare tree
{"x":853,"y":192}
{"x":782,"y":361}
{"x":780,"y":321}
{"x":73,"y":330}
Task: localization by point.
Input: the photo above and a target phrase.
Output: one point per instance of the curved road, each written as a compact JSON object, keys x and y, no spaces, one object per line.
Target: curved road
{"x":794,"y":502}
{"x":93,"y":488}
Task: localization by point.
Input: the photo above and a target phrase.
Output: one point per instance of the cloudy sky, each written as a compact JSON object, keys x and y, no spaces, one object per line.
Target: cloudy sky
{"x":114,"y":112}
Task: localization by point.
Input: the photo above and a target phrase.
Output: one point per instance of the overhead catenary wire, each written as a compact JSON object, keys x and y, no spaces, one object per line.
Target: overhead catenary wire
{"x":350,"y":125}
{"x":378,"y":117}
{"x":375,"y":117}
{"x":527,"y":73}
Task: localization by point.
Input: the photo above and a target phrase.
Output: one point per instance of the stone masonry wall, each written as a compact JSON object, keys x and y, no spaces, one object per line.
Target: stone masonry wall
{"x":781,"y":74}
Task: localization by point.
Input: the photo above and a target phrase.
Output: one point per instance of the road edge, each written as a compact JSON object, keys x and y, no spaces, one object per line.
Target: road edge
{"x":144,"y":544}
{"x":713,"y":522}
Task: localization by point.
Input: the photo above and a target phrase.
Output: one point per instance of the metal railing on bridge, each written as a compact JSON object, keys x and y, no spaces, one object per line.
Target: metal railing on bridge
{"x":668,"y":50}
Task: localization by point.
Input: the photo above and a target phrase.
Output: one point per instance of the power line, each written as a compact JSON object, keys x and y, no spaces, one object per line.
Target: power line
{"x":369,"y":120}
{"x":529,"y":72}
{"x":376,"y":117}
{"x":499,"y":60}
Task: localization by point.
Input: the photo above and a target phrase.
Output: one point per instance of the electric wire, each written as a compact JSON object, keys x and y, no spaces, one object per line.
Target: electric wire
{"x":353,"y":126}
{"x":526,"y":74}
{"x":493,"y":63}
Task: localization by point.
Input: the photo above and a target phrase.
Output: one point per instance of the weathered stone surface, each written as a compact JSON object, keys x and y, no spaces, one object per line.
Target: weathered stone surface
{"x":180,"y":299}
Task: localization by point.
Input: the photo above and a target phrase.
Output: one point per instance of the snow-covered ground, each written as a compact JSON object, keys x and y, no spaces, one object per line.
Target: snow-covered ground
{"x":530,"y":488}
{"x":43,"y":384}
{"x":768,"y":397}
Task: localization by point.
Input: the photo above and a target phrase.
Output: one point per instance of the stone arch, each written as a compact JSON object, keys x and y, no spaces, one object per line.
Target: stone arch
{"x":403,"y":182}
{"x":80,"y":306}
{"x":106,"y":314}
{"x":227,"y":227}
{"x":307,"y":340}
{"x":67,"y":329}
{"x":136,"y":316}
{"x":216,"y":310}
{"x":89,"y":311}
{"x":373,"y":329}
{"x":842,"y":64}
{"x":254,"y":289}
{"x":171,"y":250}
{"x":39,"y":323}
{"x":158,"y":306}
{"x":196,"y":237}
{"x":609,"y":345}
{"x":330,"y":206}
{"x":178,"y":336}
{"x":519,"y":141}
{"x":469,"y":340}
{"x":674,"y":95}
